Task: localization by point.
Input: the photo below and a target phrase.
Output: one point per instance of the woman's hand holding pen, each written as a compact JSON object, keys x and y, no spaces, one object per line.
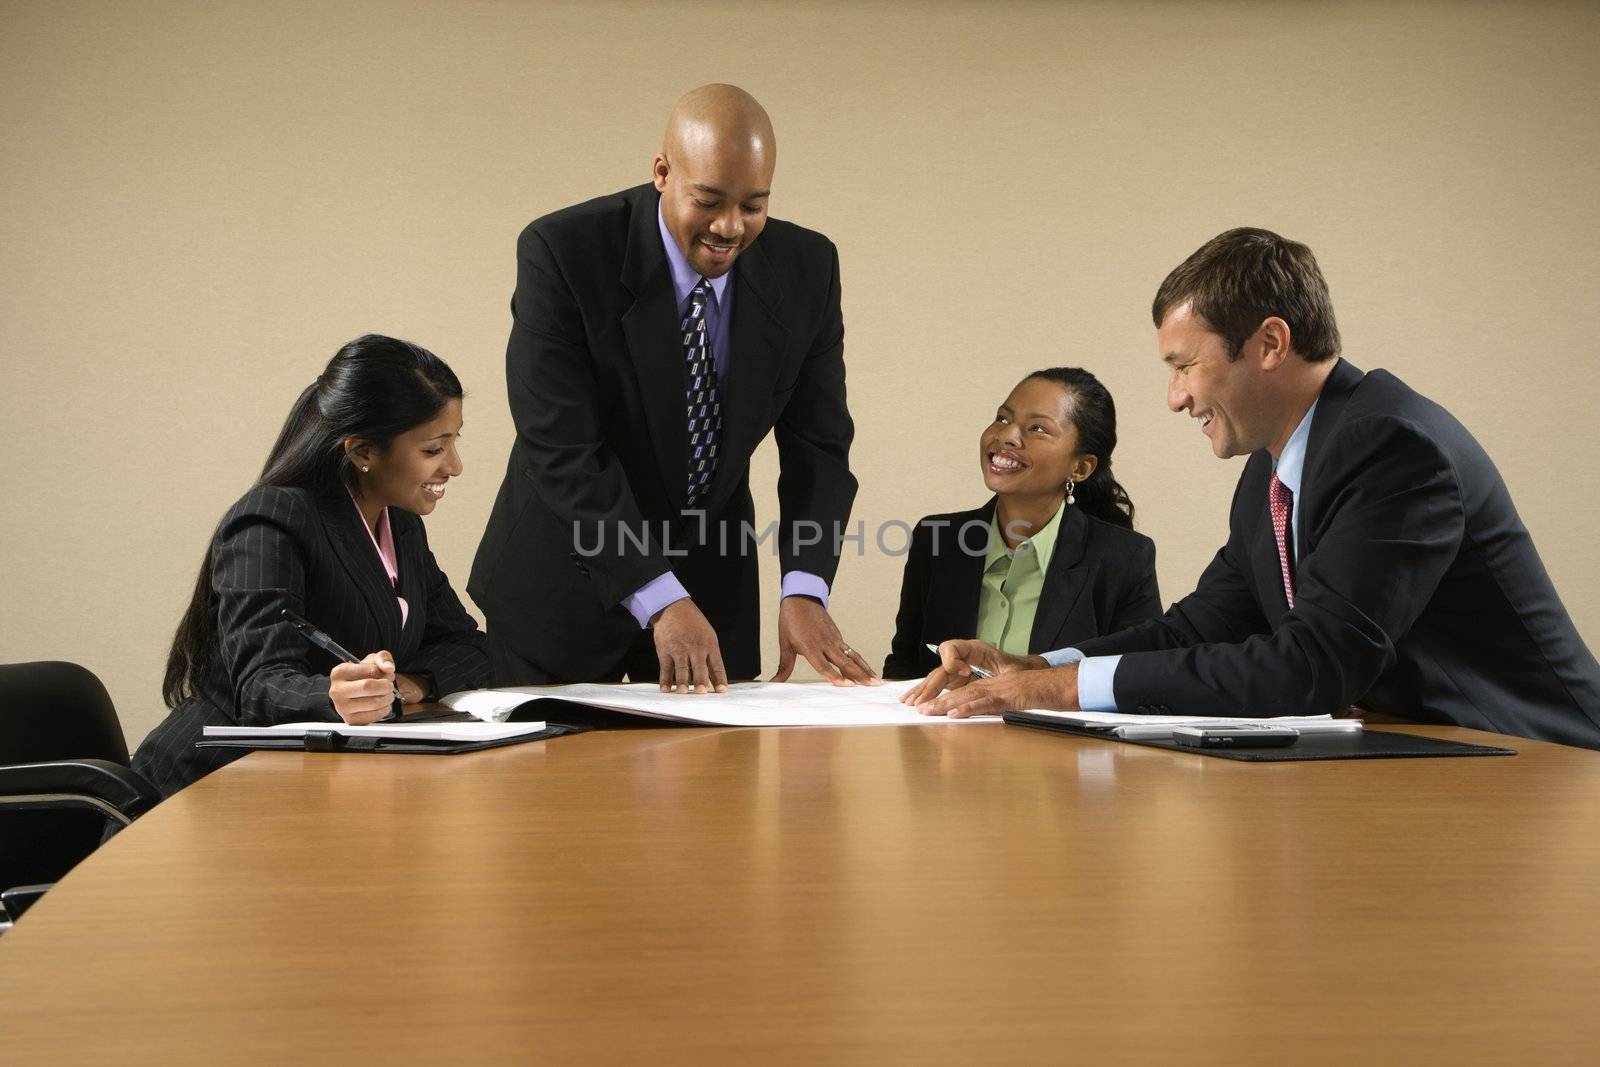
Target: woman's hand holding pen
{"x":363,"y":692}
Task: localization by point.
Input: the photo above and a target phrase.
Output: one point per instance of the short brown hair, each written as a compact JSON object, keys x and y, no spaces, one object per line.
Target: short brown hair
{"x":1240,"y":278}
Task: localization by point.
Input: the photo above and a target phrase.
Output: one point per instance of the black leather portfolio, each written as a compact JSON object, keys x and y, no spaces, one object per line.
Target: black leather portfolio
{"x":1368,"y":744}
{"x":329,"y":741}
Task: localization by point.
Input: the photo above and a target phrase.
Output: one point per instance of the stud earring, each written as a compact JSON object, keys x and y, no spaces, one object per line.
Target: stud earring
{"x":364,"y":470}
{"x":1070,"y":500}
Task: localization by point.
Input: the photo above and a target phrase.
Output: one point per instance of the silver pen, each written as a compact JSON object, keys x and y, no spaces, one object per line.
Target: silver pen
{"x":979,"y":671}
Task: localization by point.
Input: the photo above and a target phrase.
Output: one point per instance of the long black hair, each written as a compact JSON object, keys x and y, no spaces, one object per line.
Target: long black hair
{"x":1094,"y":416}
{"x":375,"y":388}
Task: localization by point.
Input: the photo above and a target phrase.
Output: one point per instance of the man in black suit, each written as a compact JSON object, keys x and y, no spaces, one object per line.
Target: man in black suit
{"x":654,"y":344}
{"x":1374,"y":556}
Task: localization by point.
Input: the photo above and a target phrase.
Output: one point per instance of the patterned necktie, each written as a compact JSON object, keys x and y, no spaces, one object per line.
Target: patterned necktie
{"x":703,"y":397}
{"x":1280,"y":502}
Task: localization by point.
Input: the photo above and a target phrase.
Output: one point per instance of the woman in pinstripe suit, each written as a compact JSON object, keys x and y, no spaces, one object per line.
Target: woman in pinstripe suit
{"x":331,"y":530}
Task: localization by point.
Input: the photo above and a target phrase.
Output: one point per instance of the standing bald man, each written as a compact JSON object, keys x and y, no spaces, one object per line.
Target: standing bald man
{"x":658,"y":334}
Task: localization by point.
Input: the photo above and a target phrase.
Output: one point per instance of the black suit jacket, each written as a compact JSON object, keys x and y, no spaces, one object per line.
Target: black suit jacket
{"x":596,"y":377}
{"x":1101,"y":579}
{"x":1418,"y":592}
{"x":283,"y":548}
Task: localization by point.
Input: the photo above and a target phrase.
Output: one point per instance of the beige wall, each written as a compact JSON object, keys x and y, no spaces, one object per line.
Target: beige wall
{"x":202,"y":201}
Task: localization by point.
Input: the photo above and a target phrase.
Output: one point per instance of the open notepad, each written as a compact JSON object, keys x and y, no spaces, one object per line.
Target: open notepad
{"x":744,"y":704}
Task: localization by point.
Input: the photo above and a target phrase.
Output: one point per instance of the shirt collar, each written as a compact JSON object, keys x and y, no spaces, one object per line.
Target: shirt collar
{"x":685,"y":277}
{"x":1291,"y":464}
{"x":1042,"y":544}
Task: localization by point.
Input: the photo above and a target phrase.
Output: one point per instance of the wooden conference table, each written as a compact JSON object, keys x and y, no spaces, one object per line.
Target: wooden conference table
{"x":940,"y":894}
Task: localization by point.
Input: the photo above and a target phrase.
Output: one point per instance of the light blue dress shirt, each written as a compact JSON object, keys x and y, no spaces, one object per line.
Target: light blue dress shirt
{"x":665,"y":589}
{"x":1097,"y":674}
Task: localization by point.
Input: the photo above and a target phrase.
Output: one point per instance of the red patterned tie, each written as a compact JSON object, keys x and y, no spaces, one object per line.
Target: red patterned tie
{"x":1281,"y":502}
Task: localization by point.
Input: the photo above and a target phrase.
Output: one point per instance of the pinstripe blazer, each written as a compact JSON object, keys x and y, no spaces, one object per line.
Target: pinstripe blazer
{"x":283,"y":548}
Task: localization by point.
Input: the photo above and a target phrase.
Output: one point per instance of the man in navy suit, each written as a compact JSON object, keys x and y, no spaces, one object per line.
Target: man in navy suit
{"x":1374,"y":556}
{"x":655,"y":342}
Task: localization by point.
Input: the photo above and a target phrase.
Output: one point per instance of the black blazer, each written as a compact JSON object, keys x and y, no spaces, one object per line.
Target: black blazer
{"x":595,"y":375}
{"x":1101,"y":579}
{"x":282,"y":548}
{"x":1418,"y":591}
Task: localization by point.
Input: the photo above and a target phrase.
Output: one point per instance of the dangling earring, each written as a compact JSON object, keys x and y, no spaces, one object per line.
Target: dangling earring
{"x":1070,"y":500}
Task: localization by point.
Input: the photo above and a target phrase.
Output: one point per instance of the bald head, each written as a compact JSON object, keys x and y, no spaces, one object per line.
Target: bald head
{"x":719,"y":117}
{"x":714,"y":174}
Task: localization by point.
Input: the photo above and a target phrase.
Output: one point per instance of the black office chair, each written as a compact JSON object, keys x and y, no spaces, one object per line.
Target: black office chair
{"x":65,"y":784}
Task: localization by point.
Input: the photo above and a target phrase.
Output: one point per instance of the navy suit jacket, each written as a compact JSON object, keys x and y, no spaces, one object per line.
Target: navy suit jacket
{"x":1101,"y":579}
{"x":1418,"y":591}
{"x":283,"y":548}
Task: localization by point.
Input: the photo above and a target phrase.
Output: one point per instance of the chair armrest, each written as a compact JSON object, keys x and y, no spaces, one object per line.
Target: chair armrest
{"x":115,"y":791}
{"x":18,"y":899}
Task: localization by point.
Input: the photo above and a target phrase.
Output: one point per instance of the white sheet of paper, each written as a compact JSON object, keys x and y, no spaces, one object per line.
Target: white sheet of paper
{"x":744,"y":704}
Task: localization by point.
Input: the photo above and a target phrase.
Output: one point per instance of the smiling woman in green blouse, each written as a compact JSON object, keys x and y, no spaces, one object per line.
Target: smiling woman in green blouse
{"x":1052,"y":558}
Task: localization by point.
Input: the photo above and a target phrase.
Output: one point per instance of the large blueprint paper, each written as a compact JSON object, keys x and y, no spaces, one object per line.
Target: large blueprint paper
{"x":744,"y":704}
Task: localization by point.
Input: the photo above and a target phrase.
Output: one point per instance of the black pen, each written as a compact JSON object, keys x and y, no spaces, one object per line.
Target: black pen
{"x":333,"y":648}
{"x":318,"y":638}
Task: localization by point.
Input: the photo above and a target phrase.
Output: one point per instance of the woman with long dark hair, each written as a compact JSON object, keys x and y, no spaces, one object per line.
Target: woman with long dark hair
{"x":1052,"y":558}
{"x":332,"y":530}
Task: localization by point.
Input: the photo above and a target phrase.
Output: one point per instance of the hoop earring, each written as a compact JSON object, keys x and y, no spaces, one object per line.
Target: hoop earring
{"x":1070,"y":499}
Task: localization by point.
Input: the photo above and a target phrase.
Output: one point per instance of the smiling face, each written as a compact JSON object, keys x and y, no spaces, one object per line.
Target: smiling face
{"x":714,"y":194}
{"x":411,"y":473}
{"x":1031,"y":447}
{"x":1225,"y":395}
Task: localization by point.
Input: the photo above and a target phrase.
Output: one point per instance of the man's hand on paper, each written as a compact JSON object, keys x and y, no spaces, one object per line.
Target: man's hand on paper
{"x":957,"y":660}
{"x":1018,"y":682}
{"x":687,"y":647}
{"x":1048,"y":689}
{"x":805,"y":627}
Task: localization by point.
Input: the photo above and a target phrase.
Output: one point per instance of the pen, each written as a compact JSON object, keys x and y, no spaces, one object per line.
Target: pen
{"x":318,"y":638}
{"x":333,"y":648}
{"x":979,"y":671}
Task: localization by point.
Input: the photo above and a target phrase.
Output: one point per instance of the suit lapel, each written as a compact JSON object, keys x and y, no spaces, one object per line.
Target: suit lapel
{"x":957,"y":579}
{"x":1061,"y":592}
{"x":408,"y":553}
{"x":1336,"y":393}
{"x":352,"y":545}
{"x":651,"y":328}
{"x":756,"y":339}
